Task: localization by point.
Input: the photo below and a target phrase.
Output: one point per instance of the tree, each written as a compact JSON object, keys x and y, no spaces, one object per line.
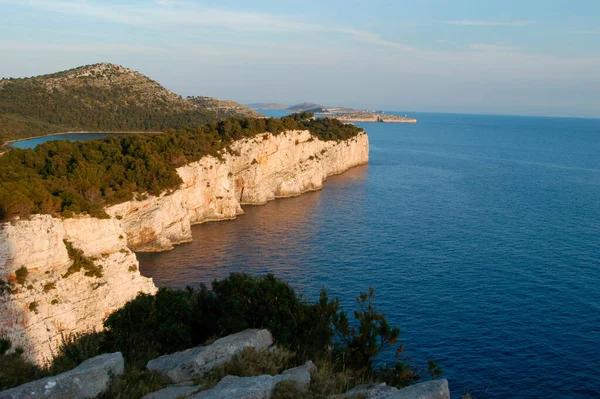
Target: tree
{"x":363,"y":344}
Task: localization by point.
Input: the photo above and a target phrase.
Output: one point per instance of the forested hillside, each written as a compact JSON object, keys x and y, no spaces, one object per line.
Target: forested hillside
{"x":223,"y":108}
{"x":63,"y":178}
{"x":101,"y":97}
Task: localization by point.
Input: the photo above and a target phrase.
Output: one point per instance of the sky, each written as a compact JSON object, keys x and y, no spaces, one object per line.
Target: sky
{"x":526,"y":57}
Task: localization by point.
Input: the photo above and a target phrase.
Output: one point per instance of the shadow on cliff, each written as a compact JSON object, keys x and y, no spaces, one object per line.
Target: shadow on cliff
{"x":271,"y":238}
{"x":15,"y":312}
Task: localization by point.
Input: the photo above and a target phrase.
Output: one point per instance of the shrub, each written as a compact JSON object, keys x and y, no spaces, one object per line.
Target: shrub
{"x":80,"y":261}
{"x":49,"y":287}
{"x":14,"y":368}
{"x":76,"y":348}
{"x":6,"y":287}
{"x":266,"y":302}
{"x":361,"y":345}
{"x":152,"y":325}
{"x":21,"y":275}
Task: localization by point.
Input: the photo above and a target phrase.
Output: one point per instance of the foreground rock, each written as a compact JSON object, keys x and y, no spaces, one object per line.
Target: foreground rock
{"x":174,"y":392}
{"x":437,"y":389}
{"x":259,"y":387}
{"x":191,"y":363}
{"x":88,"y":380}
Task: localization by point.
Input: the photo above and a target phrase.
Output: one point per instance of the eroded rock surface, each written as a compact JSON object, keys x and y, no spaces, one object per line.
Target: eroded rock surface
{"x":257,"y":170}
{"x":88,"y":380}
{"x":188,"y":364}
{"x":436,"y":389}
{"x":50,"y":303}
{"x":259,"y":387}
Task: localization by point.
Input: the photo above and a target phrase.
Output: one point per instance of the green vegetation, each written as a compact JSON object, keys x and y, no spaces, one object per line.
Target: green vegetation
{"x":66,"y":178}
{"x":6,"y":287}
{"x":49,"y":287}
{"x":100,"y":97}
{"x":80,"y":261}
{"x":33,"y":307}
{"x":172,"y":320}
{"x":21,"y":275}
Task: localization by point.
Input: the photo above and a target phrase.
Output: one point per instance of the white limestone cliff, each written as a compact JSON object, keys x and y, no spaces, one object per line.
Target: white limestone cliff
{"x":49,"y":305}
{"x":257,"y":170}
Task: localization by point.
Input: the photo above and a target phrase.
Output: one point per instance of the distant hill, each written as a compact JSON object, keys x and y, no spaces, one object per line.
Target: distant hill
{"x":302,"y":107}
{"x":268,"y":106}
{"x":100,"y":97}
{"x":223,"y":108}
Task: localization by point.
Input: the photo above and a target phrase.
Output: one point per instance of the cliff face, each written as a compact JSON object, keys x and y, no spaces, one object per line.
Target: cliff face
{"x":257,"y":170}
{"x":46,"y":304}
{"x":49,"y":301}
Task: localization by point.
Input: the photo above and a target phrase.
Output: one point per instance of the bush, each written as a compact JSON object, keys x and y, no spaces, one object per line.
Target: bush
{"x":361,"y":345}
{"x":77,"y":348}
{"x":15,"y":369}
{"x":80,"y":261}
{"x":152,"y":325}
{"x":21,"y":275}
{"x":173,"y":320}
{"x":266,"y":302}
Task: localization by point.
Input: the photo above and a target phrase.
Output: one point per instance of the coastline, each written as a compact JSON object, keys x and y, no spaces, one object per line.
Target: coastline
{"x":377,"y":120}
{"x":8,"y":142}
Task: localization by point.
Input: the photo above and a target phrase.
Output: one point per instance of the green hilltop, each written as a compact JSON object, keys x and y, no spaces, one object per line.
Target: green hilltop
{"x":100,"y":97}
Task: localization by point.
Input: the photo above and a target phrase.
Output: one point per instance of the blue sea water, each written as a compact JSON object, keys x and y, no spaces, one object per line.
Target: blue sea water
{"x":32,"y":143}
{"x":479,"y":234}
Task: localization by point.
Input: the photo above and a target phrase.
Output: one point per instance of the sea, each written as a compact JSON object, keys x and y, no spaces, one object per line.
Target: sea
{"x":34,"y":142}
{"x":479,"y":234}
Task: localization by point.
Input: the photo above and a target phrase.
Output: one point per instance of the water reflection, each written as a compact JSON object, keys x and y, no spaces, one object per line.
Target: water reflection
{"x":272,"y":238}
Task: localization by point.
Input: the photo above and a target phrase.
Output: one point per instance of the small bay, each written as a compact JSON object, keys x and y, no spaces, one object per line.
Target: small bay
{"x":33,"y":142}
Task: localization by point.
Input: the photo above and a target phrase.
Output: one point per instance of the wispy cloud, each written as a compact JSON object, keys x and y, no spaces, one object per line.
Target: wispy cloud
{"x":497,"y":47}
{"x":111,"y":48}
{"x":169,"y":13}
{"x":491,"y":23}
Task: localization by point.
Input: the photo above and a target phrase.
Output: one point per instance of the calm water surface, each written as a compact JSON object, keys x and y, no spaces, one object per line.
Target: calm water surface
{"x":480,"y":235}
{"x":32,"y":143}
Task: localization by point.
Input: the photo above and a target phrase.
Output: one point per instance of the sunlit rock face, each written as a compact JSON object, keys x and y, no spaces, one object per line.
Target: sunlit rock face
{"x":48,"y":302}
{"x":46,"y":305}
{"x":255,"y":171}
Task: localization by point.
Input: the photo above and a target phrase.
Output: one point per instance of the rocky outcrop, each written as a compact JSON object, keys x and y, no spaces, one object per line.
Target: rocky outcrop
{"x":51,"y":300}
{"x":189,"y":364}
{"x":88,"y":380}
{"x":255,"y":171}
{"x":436,"y":389}
{"x":258,"y":387}
{"x":46,"y":303}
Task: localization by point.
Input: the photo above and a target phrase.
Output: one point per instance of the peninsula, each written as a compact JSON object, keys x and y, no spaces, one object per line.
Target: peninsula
{"x":363,"y":116}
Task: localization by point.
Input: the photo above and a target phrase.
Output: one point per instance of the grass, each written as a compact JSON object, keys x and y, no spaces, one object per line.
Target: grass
{"x":249,"y":363}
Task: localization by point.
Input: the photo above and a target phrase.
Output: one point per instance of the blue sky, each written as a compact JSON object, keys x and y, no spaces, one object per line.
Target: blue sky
{"x":526,"y":57}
